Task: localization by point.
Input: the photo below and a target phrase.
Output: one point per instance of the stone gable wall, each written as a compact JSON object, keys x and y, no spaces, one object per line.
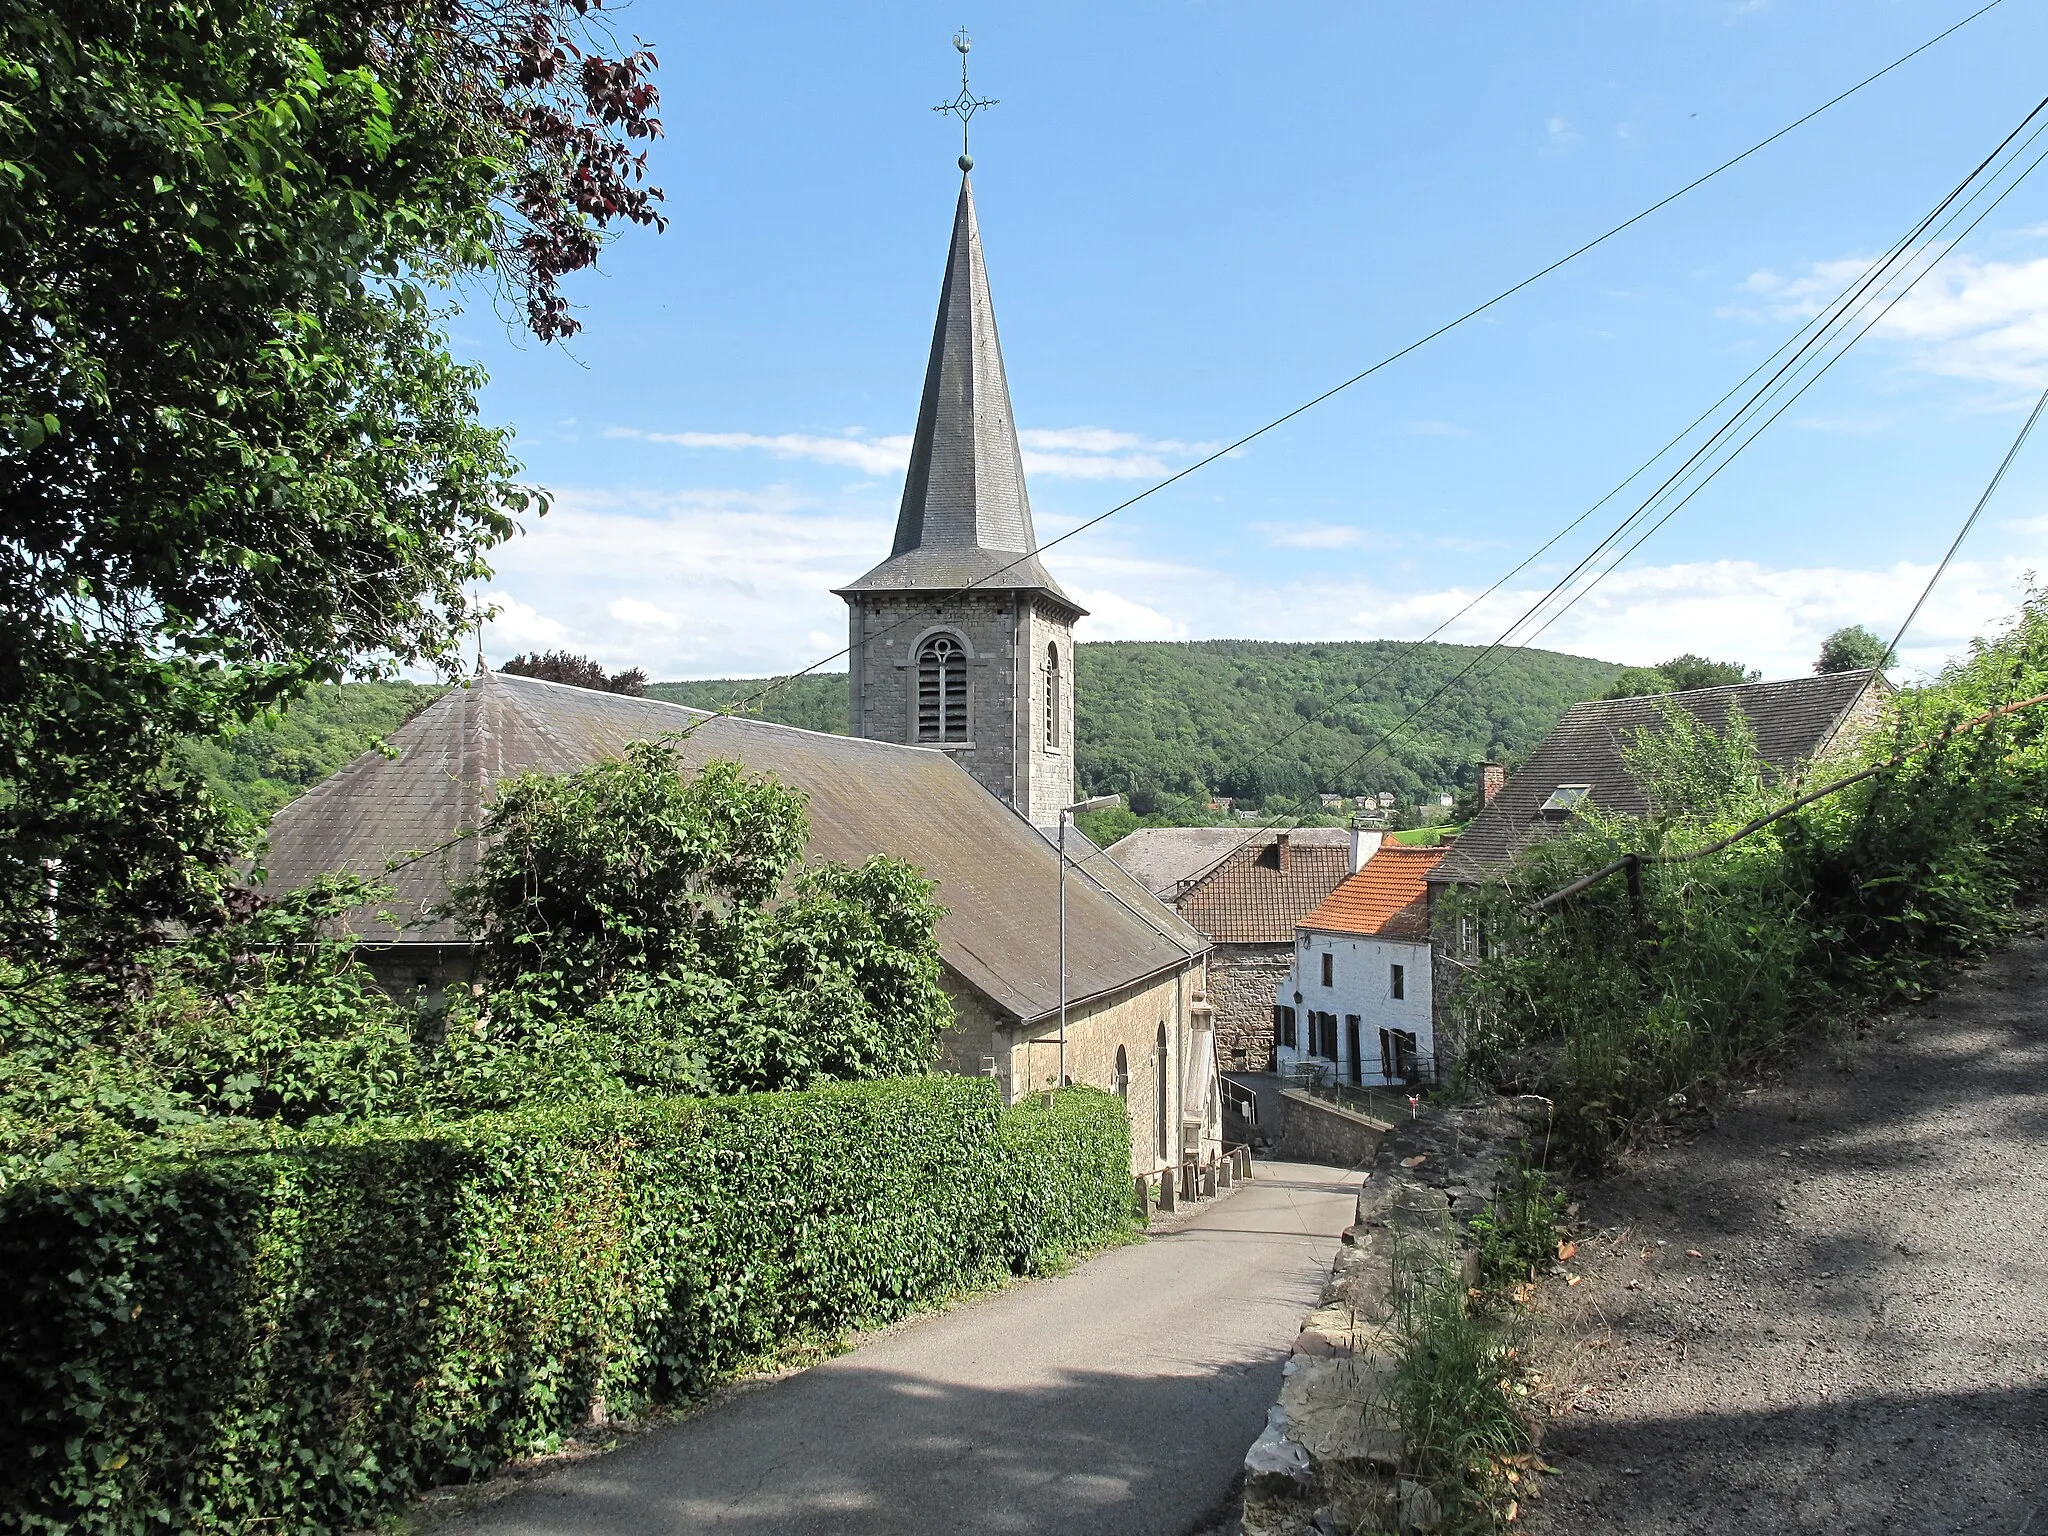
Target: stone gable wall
{"x":1243,"y":979}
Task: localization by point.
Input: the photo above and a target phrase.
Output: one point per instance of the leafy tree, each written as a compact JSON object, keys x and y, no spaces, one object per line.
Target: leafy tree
{"x":577,"y":672}
{"x":1637,"y":682}
{"x":814,"y":703}
{"x":1681,"y":674}
{"x":1850,"y":649}
{"x":236,"y":456}
{"x":644,"y":901}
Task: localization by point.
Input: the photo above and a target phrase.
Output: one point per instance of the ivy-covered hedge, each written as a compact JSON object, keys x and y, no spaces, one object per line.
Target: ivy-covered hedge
{"x":300,"y":1336}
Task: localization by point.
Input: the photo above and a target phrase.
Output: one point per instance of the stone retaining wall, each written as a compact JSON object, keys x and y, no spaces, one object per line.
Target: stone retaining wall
{"x":1312,"y":1131}
{"x":1331,"y":1457}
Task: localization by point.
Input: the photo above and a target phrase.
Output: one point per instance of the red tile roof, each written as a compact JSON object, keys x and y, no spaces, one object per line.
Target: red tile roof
{"x":1386,"y":899}
{"x":1249,"y":899}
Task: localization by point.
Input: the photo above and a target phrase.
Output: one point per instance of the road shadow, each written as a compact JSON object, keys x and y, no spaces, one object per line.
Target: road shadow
{"x":1893,"y":1465}
{"x":858,"y":1451}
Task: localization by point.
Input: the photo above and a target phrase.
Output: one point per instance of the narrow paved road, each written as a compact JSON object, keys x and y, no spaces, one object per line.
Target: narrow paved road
{"x":1829,"y":1313}
{"x":1118,"y":1398}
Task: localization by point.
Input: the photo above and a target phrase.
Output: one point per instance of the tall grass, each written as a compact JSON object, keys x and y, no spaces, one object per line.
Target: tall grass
{"x":1863,"y":899}
{"x":1455,"y":1390}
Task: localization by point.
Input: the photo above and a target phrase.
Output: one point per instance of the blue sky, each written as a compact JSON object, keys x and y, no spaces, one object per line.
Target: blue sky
{"x":1197,"y":215}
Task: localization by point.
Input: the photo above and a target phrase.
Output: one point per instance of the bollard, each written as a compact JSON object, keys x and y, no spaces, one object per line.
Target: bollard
{"x":1244,"y":1163}
{"x":1208,"y":1181}
{"x":1189,"y":1189}
{"x":1223,"y":1169}
{"x":1168,"y":1195}
{"x":1141,"y":1197}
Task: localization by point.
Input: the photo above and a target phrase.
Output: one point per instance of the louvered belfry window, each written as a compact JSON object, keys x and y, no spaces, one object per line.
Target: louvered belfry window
{"x":1052,"y":696}
{"x":942,"y":690}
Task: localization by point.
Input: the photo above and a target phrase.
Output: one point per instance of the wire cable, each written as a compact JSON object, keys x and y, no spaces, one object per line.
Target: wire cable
{"x":1448,"y":326}
{"x":1859,"y":296}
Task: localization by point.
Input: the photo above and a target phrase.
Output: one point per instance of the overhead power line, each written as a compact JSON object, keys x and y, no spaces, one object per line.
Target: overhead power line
{"x":1862,"y":295}
{"x":1632,"y":862}
{"x":1444,"y":329}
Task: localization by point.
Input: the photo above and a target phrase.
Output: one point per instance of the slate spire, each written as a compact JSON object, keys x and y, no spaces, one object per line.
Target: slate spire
{"x":965,"y":513}
{"x":965,"y":486}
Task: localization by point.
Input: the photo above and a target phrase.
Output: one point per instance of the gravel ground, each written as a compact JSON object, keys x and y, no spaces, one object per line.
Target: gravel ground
{"x":1827,"y":1310}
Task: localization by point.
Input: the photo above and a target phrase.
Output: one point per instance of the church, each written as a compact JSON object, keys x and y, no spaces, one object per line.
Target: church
{"x":961,"y":760}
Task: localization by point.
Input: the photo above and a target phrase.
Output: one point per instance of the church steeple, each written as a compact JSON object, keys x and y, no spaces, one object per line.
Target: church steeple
{"x":961,"y":640}
{"x":965,"y":513}
{"x":965,"y":485}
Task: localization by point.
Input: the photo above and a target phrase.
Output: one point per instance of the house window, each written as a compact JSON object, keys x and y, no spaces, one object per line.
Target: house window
{"x":1052,"y":695}
{"x":1397,"y":981}
{"x":1398,"y":1055}
{"x":1283,"y":1026}
{"x":1123,"y":1073}
{"x":1329,"y":969}
{"x":1326,"y":1031}
{"x":942,"y":690}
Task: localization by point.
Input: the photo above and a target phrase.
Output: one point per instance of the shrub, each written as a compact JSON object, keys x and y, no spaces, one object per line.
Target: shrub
{"x":300,"y":1334}
{"x":636,"y":900}
{"x":1517,"y":1233}
{"x":1860,"y":900}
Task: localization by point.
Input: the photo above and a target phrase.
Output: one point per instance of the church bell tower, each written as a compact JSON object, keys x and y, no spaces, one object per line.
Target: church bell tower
{"x":961,"y":640}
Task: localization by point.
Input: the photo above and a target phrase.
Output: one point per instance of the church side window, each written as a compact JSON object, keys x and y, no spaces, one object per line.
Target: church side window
{"x":942,"y":690}
{"x":1052,"y":695}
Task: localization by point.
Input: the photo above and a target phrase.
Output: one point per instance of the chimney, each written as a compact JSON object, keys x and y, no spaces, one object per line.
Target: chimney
{"x":1364,"y":844}
{"x":1492,"y":779}
{"x":1281,"y":851}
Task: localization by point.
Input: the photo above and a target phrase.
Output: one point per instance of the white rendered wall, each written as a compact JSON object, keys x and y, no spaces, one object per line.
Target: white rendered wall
{"x":1361,"y":985}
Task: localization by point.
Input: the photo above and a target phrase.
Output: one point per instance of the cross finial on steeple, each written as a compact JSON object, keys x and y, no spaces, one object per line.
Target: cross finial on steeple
{"x":966,"y":104}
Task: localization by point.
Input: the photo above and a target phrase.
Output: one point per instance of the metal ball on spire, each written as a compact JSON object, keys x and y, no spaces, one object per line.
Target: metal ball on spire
{"x":967,"y":162}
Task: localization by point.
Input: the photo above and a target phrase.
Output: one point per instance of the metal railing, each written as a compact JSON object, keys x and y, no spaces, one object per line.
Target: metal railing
{"x":1318,"y":1081}
{"x":1242,"y":1100}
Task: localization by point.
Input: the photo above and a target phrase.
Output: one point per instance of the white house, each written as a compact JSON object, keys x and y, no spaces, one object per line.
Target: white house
{"x":1357,"y":1003}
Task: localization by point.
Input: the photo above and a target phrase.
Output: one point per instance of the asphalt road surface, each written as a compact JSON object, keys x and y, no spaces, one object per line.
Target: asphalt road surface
{"x":1828,"y":1313}
{"x":1120,"y":1397}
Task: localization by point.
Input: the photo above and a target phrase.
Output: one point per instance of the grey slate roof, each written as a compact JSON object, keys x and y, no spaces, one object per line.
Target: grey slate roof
{"x":995,"y":872}
{"x":1169,"y":859}
{"x":1795,"y":721}
{"x":965,"y":515}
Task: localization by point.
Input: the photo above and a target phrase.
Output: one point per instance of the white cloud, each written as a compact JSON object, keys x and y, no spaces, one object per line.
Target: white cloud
{"x":1070,"y":453}
{"x":1114,"y":617}
{"x":712,"y":584}
{"x":1312,"y":535}
{"x":871,"y":456}
{"x":699,"y":584}
{"x":1560,"y":133}
{"x":1967,"y":319}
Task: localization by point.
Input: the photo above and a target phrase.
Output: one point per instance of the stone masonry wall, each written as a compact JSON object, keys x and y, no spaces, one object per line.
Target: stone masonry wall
{"x":1243,"y":980}
{"x":1332,"y":1456}
{"x":1312,"y":1132}
{"x":1006,"y":749}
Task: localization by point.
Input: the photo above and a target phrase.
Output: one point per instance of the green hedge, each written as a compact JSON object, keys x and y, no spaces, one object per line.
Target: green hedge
{"x":304,"y":1335}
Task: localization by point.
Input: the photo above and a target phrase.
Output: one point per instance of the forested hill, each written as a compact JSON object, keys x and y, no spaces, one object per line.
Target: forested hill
{"x":1191,"y":717}
{"x":1179,"y":718}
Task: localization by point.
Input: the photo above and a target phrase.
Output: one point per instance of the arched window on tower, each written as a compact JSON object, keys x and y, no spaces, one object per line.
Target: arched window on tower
{"x":942,"y":689}
{"x":1052,"y":695}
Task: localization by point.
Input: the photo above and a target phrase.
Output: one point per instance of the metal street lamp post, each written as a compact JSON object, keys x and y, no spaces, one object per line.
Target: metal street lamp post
{"x":1098,"y":803}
